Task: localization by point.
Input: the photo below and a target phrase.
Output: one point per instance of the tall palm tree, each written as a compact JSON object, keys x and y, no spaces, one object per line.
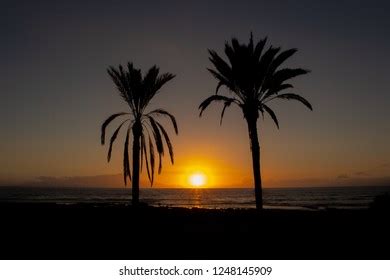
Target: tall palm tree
{"x":253,"y":76}
{"x":147,"y":132}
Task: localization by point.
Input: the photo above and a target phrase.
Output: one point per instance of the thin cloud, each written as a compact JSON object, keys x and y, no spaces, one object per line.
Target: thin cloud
{"x":361,"y":173}
{"x":343,"y":176}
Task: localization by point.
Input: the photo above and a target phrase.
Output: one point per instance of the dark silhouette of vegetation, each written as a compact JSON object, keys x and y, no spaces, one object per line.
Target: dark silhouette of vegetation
{"x":147,"y":132}
{"x":254,"y":77}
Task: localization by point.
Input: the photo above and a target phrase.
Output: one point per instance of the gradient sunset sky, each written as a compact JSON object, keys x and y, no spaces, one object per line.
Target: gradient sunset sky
{"x":55,"y":91}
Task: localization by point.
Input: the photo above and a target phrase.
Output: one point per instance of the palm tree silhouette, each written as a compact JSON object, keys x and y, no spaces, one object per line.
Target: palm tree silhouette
{"x":138,"y":91}
{"x":254,"y":77}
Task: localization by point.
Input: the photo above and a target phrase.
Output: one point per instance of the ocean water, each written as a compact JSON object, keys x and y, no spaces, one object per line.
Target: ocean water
{"x":288,"y":198}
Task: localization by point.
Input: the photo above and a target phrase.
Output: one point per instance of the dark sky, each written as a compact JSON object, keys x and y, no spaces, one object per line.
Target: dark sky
{"x":55,"y":90}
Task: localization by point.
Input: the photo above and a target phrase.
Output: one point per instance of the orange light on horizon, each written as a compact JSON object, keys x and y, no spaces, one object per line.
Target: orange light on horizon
{"x":197,"y":179}
{"x":197,"y":174}
{"x":203,"y":172}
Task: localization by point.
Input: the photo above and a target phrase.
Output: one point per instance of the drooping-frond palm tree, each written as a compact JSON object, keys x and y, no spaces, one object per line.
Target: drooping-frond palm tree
{"x":254,"y":76}
{"x":148,"y":134}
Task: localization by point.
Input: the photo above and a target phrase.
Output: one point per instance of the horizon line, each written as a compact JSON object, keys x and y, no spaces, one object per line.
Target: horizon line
{"x":194,"y":188}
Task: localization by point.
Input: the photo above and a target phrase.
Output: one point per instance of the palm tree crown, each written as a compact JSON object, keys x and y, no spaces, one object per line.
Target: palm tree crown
{"x":148,"y":133}
{"x":254,"y":77}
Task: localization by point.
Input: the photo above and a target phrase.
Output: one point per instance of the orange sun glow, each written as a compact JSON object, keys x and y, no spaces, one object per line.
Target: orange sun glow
{"x":197,"y":179}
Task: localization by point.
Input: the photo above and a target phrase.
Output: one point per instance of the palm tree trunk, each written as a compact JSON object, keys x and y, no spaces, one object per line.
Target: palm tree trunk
{"x":255,"y":149}
{"x":136,"y":161}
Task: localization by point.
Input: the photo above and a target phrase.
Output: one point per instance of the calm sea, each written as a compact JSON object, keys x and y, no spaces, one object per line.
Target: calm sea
{"x":297,"y":198}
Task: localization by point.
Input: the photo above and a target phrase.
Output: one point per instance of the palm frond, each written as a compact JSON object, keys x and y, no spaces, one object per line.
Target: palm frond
{"x":221,"y":66}
{"x":272,"y":114}
{"x":236,"y":45}
{"x":218,"y":87}
{"x":113,"y":138}
{"x":285,"y":74}
{"x":267,"y":58}
{"x":106,"y":123}
{"x":230,"y":53}
{"x":144,"y":148}
{"x":212,"y":98}
{"x":281,"y":58}
{"x":151,"y":76}
{"x":261,"y":111}
{"x":297,"y":97}
{"x":222,"y":81}
{"x":159,"y":163}
{"x":141,"y":149}
{"x":116,"y":77}
{"x":162,"y":80}
{"x":157,"y":136}
{"x":259,"y":49}
{"x":250,"y":44}
{"x":152,"y":163}
{"x":158,"y":141}
{"x":122,"y":83}
{"x":148,"y":86}
{"x":166,"y":113}
{"x":275,"y":90}
{"x":264,"y":67}
{"x":126,"y":162}
{"x":227,"y":104}
{"x":167,"y":141}
{"x":134,"y":76}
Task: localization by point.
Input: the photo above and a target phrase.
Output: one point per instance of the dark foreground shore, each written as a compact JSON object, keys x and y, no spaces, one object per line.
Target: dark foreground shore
{"x":90,"y":231}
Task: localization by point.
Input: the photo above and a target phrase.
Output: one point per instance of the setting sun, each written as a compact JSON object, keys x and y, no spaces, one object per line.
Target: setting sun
{"x":197,"y":179}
